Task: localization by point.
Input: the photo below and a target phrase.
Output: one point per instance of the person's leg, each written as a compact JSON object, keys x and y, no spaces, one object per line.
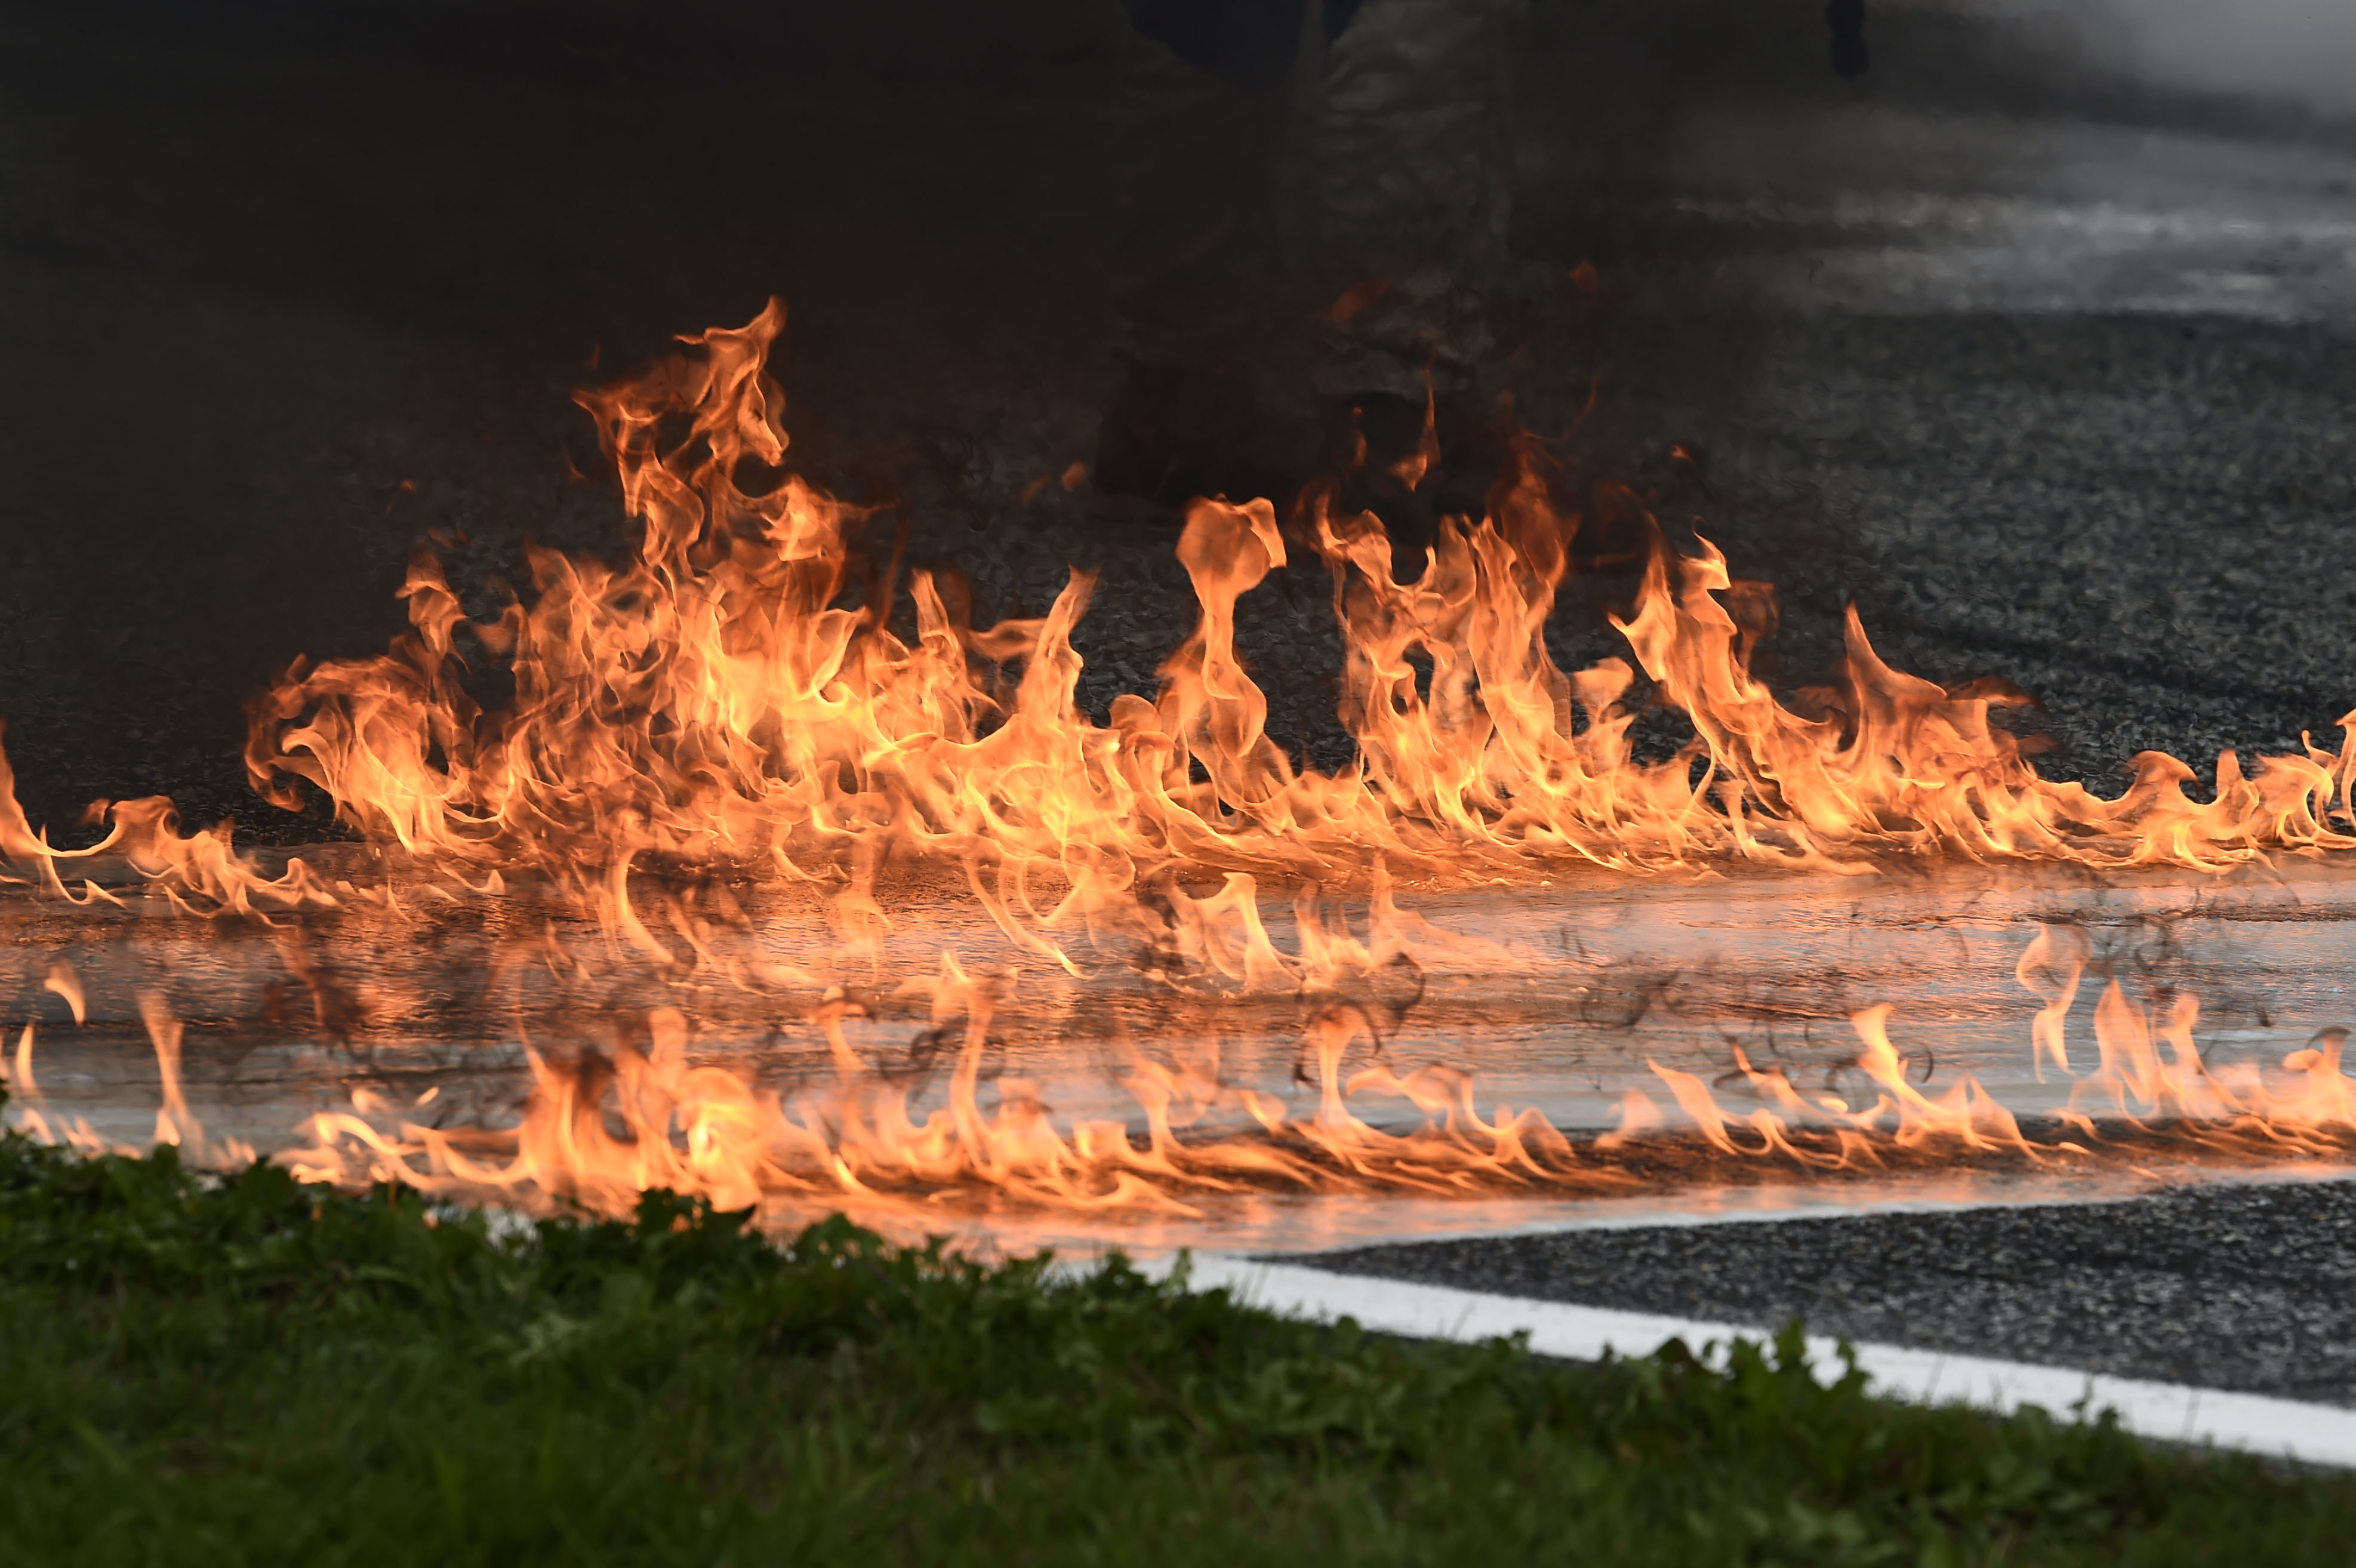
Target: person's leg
{"x":1412,"y":195}
{"x":1412,"y":183}
{"x":1846,"y":21}
{"x":1197,"y":277}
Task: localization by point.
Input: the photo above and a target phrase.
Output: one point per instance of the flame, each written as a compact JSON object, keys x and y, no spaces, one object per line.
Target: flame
{"x":62,"y":980}
{"x":715,"y":702}
{"x":746,"y":696}
{"x":603,"y":1125}
{"x":706,"y":1129}
{"x":734,"y":697}
{"x":196,"y":871}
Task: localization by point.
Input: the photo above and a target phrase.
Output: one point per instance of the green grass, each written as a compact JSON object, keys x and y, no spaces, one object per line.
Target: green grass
{"x":225,"y":1371}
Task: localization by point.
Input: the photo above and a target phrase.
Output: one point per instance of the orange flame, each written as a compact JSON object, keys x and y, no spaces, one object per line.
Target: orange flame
{"x":708,"y":1129}
{"x":733,"y":699}
{"x":713,"y":702}
{"x":603,"y":1126}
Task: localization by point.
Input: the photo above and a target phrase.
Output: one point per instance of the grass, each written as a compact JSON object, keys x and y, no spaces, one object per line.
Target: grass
{"x":247,"y":1370}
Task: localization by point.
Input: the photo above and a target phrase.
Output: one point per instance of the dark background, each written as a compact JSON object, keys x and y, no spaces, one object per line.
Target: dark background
{"x":281,"y":287}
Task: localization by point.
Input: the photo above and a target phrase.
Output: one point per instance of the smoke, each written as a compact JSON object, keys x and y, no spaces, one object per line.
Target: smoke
{"x":2299,"y":50}
{"x":2295,"y":52}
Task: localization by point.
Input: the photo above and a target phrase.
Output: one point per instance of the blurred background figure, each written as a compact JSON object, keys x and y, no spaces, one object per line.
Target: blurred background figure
{"x":1199,"y":276}
{"x":1313,"y":201}
{"x":1846,"y":21}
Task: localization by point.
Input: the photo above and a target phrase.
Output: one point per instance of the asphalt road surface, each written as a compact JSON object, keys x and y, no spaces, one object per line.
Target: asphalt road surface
{"x":2243,"y":1287}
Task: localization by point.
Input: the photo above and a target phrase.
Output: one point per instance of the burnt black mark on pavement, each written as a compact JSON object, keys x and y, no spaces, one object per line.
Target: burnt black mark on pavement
{"x":2243,"y":1287}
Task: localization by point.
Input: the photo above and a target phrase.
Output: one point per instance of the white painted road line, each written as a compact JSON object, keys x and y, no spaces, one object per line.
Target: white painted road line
{"x":2312,"y":1434}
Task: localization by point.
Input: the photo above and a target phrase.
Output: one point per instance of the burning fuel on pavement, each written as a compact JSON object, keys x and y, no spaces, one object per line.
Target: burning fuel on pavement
{"x":760,"y":772}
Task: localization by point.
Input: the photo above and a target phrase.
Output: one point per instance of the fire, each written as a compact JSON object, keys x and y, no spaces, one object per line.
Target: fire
{"x":603,"y":1125}
{"x":716,"y":702}
{"x":747,"y":698}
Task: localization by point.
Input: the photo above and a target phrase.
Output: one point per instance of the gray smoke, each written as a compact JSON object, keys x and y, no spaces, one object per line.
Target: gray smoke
{"x":2296,"y":52}
{"x":2301,"y":49}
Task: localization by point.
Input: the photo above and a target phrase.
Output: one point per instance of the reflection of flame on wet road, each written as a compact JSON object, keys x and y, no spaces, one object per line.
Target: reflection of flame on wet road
{"x":907,"y":1104}
{"x":748,"y":704}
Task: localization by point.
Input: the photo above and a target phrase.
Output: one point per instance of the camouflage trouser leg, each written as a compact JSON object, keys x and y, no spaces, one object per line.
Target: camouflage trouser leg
{"x":1259,"y":176}
{"x":1196,"y":271}
{"x":1411,"y":189}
